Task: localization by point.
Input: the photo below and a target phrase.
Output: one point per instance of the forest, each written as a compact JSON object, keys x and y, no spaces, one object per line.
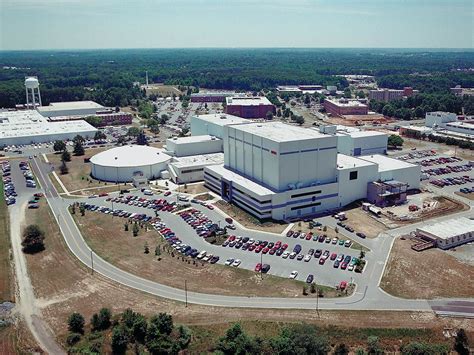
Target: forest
{"x":107,"y":76}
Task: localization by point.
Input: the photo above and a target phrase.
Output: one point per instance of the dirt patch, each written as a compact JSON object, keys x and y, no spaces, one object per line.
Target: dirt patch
{"x":468,"y":196}
{"x":193,"y":189}
{"x":428,"y":274}
{"x":204,"y":197}
{"x":248,"y":220}
{"x":104,"y":189}
{"x":17,"y":339}
{"x":79,"y":172}
{"x":106,"y":235}
{"x":363,"y":222}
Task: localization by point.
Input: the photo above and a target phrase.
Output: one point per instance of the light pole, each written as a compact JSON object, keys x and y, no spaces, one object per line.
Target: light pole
{"x":261,"y":265}
{"x":92,"y":263}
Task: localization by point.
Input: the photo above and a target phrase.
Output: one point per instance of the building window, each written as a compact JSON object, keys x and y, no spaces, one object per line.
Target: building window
{"x":353,"y":175}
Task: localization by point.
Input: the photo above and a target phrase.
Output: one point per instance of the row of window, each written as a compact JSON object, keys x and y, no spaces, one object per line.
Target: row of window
{"x":192,"y":170}
{"x":306,"y":206}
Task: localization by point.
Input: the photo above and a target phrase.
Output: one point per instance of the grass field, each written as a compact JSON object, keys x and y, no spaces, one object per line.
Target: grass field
{"x":106,"y":236}
{"x":6,"y":292}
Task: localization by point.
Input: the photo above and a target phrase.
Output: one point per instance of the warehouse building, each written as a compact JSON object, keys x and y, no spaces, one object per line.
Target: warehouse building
{"x":249,"y":107}
{"x":122,"y":164}
{"x":193,"y":145}
{"x":448,"y":234}
{"x":278,"y":171}
{"x":353,"y":141}
{"x":71,"y":108}
{"x":28,"y":126}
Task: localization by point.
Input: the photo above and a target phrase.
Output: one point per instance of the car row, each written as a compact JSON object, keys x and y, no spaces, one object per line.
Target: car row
{"x":156,"y":204}
{"x":203,"y":226}
{"x":439,"y":161}
{"x":8,"y":186}
{"x":29,"y":178}
{"x":418,"y":155}
{"x":450,"y":181}
{"x":448,"y":169}
{"x":467,"y":190}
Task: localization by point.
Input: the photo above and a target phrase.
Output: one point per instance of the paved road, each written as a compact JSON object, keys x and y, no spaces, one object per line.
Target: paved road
{"x":367,"y":296}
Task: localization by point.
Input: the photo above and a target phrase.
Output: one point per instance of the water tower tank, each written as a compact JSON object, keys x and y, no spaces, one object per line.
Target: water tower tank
{"x":31,"y":83}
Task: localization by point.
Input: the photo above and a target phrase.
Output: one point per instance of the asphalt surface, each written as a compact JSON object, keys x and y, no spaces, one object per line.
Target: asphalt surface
{"x":368,"y":296}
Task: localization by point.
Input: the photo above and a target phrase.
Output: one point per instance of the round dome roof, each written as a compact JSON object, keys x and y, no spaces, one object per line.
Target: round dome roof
{"x":130,"y":156}
{"x":31,"y":82}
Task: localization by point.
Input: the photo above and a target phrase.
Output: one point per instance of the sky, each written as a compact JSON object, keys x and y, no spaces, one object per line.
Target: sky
{"x":83,"y":24}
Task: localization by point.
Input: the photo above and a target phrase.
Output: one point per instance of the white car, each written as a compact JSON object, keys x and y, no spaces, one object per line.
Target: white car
{"x":307,"y":258}
{"x":350,"y":267}
{"x":293,"y":274}
{"x":285,"y":254}
{"x":202,"y":254}
{"x":229,"y":262}
{"x":207,"y":257}
{"x":236,"y":263}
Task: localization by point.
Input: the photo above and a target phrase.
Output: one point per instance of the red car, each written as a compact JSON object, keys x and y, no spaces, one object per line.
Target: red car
{"x":231,"y":238}
{"x":284,"y":246}
{"x":272,"y":251}
{"x":265,"y":250}
{"x":333,"y":256}
{"x":344,"y":266}
{"x":322,"y":261}
{"x":258,"y":267}
{"x":210,"y":207}
{"x":309,"y":236}
{"x":167,"y":193}
{"x":258,"y":249}
{"x":278,"y":245}
{"x":252,"y":247}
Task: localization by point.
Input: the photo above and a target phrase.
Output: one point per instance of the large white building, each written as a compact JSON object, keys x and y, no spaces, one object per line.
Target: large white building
{"x":278,"y":171}
{"x":353,"y":141}
{"x":439,"y":118}
{"x":183,"y":170}
{"x":70,"y":108}
{"x":28,"y":126}
{"x":122,"y":164}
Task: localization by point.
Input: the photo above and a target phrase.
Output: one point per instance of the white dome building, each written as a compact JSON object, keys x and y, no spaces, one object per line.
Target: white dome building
{"x":121,"y":164}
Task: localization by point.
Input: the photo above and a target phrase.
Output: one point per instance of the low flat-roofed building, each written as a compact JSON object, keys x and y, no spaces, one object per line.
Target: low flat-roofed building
{"x":249,"y":107}
{"x":394,"y":169}
{"x":191,"y":168}
{"x":449,"y":233}
{"x":70,"y":108}
{"x":212,"y":96}
{"x":28,"y":126}
{"x":213,"y":124}
{"x":353,"y":141}
{"x":193,"y":145}
{"x":341,"y":107}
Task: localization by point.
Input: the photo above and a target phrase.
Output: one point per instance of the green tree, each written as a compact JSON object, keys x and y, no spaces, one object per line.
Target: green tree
{"x":269,"y":115}
{"x":141,"y":139}
{"x":33,"y":239}
{"x":134,"y":131}
{"x":76,"y":323}
{"x":78,"y":138}
{"x":82,"y":209}
{"x":395,"y":140}
{"x":63,"y":168}
{"x":65,"y":156}
{"x":341,"y":349}
{"x":184,"y":337}
{"x":135,"y":229}
{"x":236,"y":341}
{"x":101,"y":321}
{"x":120,"y":339}
{"x":461,"y":342}
{"x":163,"y":322}
{"x":78,"y":148}
{"x":300,"y":339}
{"x":373,"y":346}
{"x":59,"y":146}
{"x":99,"y":135}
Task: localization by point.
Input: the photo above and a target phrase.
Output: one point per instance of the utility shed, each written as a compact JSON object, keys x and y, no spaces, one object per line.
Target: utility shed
{"x":449,"y":233}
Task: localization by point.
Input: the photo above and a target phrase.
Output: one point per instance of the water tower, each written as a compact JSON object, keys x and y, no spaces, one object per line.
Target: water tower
{"x":33,"y":96}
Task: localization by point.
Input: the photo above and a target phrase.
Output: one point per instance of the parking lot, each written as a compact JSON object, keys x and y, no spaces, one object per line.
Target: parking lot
{"x":442,"y":172}
{"x":328,"y":261}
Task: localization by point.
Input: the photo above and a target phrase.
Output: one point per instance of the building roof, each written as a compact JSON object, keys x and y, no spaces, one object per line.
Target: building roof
{"x":240,"y":180}
{"x":130,"y":156}
{"x":460,"y":124}
{"x":362,"y":134}
{"x":247,"y":101}
{"x":70,"y":105}
{"x":192,"y":139}
{"x":349,"y":162}
{"x":346,"y":103}
{"x":418,"y":128}
{"x":449,"y":228}
{"x":16,"y":124}
{"x":280,"y":132}
{"x":385,"y":163}
{"x":222,"y":119}
{"x":198,"y":160}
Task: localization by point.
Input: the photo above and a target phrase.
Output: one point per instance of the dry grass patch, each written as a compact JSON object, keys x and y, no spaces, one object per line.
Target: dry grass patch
{"x":428,"y":274}
{"x":361,"y":221}
{"x":248,"y":221}
{"x":6,"y":284}
{"x":106,"y":236}
{"x":193,"y":189}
